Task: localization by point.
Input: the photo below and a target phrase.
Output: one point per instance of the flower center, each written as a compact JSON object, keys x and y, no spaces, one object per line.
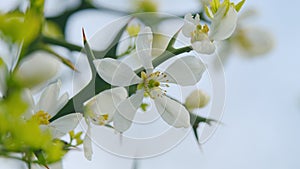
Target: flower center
{"x":200,"y":33}
{"x":100,"y":119}
{"x":152,"y":82}
{"x":42,"y":117}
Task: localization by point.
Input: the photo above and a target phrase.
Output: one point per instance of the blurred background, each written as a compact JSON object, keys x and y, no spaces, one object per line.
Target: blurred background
{"x":262,"y":108}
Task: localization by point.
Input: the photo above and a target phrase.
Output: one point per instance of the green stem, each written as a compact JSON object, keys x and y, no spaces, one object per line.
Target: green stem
{"x":61,"y":42}
{"x":171,"y":52}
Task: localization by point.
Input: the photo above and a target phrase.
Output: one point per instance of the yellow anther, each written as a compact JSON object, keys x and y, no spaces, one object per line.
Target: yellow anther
{"x":152,"y":82}
{"x":42,"y":117}
{"x":105,"y":116}
{"x":100,"y":119}
{"x":205,"y":29}
{"x":144,"y":75}
{"x":199,"y":27}
{"x":156,"y":84}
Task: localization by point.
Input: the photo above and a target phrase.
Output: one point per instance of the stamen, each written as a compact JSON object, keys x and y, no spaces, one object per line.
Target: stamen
{"x":152,"y":83}
{"x":42,"y":117}
{"x":100,"y":119}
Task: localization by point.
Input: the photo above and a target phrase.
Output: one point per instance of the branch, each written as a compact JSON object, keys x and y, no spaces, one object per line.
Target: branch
{"x":61,"y":42}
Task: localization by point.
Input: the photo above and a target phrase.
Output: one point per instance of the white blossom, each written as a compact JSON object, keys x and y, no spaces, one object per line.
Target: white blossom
{"x":36,"y":69}
{"x":184,"y":71}
{"x":47,"y":107}
{"x":223,"y":23}
{"x":99,"y":110}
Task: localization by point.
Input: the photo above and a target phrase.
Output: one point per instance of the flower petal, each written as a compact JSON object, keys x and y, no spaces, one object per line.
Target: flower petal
{"x":132,"y":61}
{"x":204,"y":47}
{"x":116,"y":72}
{"x":144,"y":47}
{"x":222,"y":26}
{"x":190,"y":24}
{"x":50,"y":101}
{"x":87,"y":144}
{"x":105,"y":103}
{"x":184,"y":71}
{"x":37,"y":69}
{"x":126,"y":110}
{"x":172,"y":112}
{"x":63,"y":125}
{"x":27,"y":97}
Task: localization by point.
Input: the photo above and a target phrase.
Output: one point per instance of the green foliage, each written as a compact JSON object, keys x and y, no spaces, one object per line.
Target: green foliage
{"x":17,"y":27}
{"x":18,"y":135}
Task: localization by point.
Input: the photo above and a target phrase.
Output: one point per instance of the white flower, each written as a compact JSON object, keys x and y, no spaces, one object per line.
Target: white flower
{"x":36,"y":69}
{"x":253,"y":41}
{"x":223,"y":23}
{"x":47,"y":107}
{"x":184,"y":71}
{"x":198,"y":34}
{"x":100,"y":110}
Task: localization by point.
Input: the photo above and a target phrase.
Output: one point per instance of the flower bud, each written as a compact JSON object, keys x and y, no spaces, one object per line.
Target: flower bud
{"x":197,"y":99}
{"x":36,"y":69}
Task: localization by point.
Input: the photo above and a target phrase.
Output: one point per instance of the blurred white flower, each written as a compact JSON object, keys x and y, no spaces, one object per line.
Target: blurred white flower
{"x":100,"y":110}
{"x":253,"y":41}
{"x":47,"y":107}
{"x":36,"y":69}
{"x":184,"y":71}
